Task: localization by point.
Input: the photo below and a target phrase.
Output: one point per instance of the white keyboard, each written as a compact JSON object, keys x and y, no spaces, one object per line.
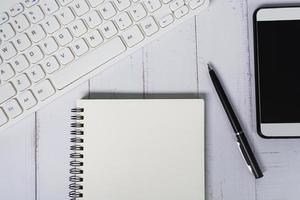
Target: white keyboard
{"x":48,"y":47}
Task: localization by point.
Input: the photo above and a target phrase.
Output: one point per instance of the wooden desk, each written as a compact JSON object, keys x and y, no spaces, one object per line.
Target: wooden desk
{"x":34,"y":153}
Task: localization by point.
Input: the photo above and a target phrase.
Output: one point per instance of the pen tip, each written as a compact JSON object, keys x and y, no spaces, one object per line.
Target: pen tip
{"x":209,"y":67}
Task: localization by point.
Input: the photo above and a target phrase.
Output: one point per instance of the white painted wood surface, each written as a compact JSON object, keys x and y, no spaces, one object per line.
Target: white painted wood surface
{"x":34,"y":153}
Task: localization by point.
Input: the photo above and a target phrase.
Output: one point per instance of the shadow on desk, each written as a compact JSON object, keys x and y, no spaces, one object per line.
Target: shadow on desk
{"x":144,"y":96}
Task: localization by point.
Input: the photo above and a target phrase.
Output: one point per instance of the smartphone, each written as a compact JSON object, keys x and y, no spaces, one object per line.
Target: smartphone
{"x":277,"y":71}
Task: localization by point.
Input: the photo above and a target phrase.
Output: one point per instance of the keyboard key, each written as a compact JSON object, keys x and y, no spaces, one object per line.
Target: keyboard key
{"x":12,"y":108}
{"x":123,"y":21}
{"x":64,"y":2}
{"x":29,"y":3}
{"x":44,"y":90}
{"x":149,"y":26}
{"x":174,"y":5}
{"x":19,"y":63}
{"x":36,"y":73}
{"x":27,"y":100}
{"x":20,"y":23}
{"x":122,"y":4}
{"x":152,"y":5}
{"x":6,"y":32}
{"x":92,"y":19}
{"x":21,"y":82}
{"x":65,"y":56}
{"x":196,"y":3}
{"x":95,"y":3}
{"x":133,"y":36}
{"x":3,"y":17}
{"x":78,"y":28}
{"x":22,"y":42}
{"x":94,"y":38}
{"x":6,"y":72}
{"x":138,"y":12}
{"x":79,"y":47}
{"x":80,"y":7}
{"x":49,"y":46}
{"x":51,"y":24}
{"x":7,"y":91}
{"x":101,"y":55}
{"x":63,"y":37}
{"x":107,"y":10}
{"x":65,"y":16}
{"x":35,"y":14}
{"x":35,"y":54}
{"x":166,"y":20}
{"x":8,"y":51}
{"x":15,"y":10}
{"x":49,"y":6}
{"x":182,"y":11}
{"x":50,"y":65}
{"x":36,"y":33}
{"x":3,"y":117}
{"x":108,"y":30}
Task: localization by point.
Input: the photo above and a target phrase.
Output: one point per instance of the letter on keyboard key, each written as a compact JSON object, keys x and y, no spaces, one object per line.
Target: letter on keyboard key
{"x":44,"y":90}
{"x":6,"y":72}
{"x":65,"y":56}
{"x":6,"y":92}
{"x":35,"y":54}
{"x":65,"y":15}
{"x":22,"y":42}
{"x":79,"y":47}
{"x":19,"y":63}
{"x":51,"y":24}
{"x":80,"y":7}
{"x":8,"y":51}
{"x":100,"y":55}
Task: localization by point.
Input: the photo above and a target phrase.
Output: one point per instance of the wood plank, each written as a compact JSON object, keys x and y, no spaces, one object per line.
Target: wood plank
{"x":53,"y":146}
{"x":17,"y":153}
{"x":222,"y":40}
{"x":280,"y":158}
{"x":170,"y":62}
{"x":122,"y":80}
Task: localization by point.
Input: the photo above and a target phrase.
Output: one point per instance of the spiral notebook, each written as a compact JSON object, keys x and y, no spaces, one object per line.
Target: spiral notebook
{"x":138,"y":150}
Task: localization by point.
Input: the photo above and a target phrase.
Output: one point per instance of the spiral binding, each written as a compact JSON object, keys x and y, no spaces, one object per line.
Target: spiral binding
{"x":76,"y":155}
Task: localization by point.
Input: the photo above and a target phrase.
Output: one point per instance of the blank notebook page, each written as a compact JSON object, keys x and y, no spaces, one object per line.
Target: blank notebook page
{"x":143,"y":149}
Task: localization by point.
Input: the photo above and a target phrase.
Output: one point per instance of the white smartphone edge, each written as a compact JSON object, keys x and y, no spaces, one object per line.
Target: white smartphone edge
{"x":279,"y":14}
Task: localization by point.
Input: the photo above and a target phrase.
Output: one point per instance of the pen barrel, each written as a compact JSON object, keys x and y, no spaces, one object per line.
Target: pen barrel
{"x":225,"y":102}
{"x":248,"y":155}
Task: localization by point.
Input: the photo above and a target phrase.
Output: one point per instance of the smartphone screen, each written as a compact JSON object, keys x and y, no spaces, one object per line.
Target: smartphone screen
{"x":278,"y":65}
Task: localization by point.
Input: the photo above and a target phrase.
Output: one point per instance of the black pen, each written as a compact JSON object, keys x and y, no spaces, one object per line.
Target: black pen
{"x":241,"y":138}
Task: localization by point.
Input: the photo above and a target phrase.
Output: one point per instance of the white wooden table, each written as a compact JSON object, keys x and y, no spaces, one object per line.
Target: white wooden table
{"x":34,"y":152}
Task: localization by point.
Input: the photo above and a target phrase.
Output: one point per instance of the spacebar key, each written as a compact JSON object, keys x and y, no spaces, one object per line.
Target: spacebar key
{"x":88,"y":63}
